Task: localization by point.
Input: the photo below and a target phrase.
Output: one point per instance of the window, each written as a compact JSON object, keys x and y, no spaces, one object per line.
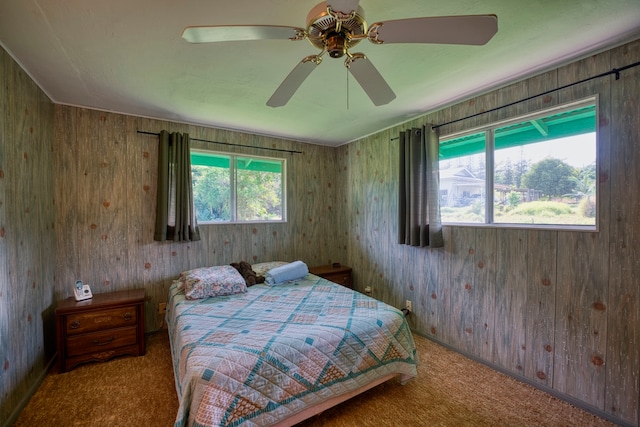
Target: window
{"x":229,"y":188}
{"x":537,"y":170}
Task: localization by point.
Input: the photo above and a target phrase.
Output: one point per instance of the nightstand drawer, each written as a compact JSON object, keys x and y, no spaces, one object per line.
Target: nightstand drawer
{"x":98,"y":329}
{"x":101,"y":341}
{"x":340,"y":274}
{"x":99,"y":320}
{"x":343,"y":279}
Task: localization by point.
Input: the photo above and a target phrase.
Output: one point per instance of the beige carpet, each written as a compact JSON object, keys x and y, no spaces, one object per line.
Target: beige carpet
{"x":450,"y":390}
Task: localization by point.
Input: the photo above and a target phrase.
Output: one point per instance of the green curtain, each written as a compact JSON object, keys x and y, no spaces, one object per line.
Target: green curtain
{"x":419,"y":221}
{"x":175,"y":212}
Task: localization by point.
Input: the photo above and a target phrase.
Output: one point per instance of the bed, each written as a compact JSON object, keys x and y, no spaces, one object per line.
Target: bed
{"x":276,"y":355}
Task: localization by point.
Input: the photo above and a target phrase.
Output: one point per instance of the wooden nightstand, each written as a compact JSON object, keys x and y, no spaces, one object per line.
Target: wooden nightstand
{"x":340,"y":275}
{"x":98,"y":329}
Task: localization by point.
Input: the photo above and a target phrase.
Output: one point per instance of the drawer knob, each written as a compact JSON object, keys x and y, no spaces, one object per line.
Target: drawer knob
{"x":74,"y":325}
{"x":96,"y":342}
{"x":127,"y":316}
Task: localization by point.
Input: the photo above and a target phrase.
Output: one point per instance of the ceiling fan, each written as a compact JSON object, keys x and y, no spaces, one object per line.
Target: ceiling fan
{"x":336,"y":26}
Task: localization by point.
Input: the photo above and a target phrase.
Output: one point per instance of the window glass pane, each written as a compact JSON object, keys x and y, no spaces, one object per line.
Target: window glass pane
{"x":230,"y":188}
{"x":211,"y":182}
{"x":210,"y":159}
{"x":463,"y":146}
{"x":552,"y":127}
{"x":462,"y":180}
{"x":261,"y":165}
{"x":549,"y":182}
{"x":544,"y":171}
{"x":259,"y":189}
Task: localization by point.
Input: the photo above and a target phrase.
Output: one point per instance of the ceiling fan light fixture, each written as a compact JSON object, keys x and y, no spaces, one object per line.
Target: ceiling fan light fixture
{"x":336,"y":45}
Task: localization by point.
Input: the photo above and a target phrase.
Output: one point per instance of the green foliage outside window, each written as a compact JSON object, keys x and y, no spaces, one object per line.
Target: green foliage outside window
{"x":211,"y":193}
{"x":258,"y":195}
{"x":552,"y":177}
{"x":228,"y":188}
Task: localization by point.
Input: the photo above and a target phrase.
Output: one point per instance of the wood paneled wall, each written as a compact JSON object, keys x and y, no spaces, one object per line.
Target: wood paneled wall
{"x":27,"y":238}
{"x":558,"y":309}
{"x":106,"y":176}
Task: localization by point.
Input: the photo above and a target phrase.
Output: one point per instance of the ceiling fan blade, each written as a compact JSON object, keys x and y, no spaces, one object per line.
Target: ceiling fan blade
{"x":464,"y":29}
{"x":226,"y":33}
{"x":370,"y":79}
{"x":292,"y":82}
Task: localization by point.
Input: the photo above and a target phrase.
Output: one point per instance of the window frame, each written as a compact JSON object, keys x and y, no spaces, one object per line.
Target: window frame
{"x":489,"y":131}
{"x":233,"y":186}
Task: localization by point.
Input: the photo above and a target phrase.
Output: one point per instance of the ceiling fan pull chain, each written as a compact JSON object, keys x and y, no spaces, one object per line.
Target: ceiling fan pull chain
{"x":347,"y":70}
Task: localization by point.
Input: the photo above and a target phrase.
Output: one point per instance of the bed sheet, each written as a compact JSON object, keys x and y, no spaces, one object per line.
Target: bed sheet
{"x":257,"y":358}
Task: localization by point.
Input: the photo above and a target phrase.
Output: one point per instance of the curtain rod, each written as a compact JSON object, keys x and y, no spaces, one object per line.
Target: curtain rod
{"x":230,"y":144}
{"x":615,"y":71}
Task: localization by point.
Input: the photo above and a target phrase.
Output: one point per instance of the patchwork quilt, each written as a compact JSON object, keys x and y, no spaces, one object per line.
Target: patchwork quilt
{"x":256,"y":358}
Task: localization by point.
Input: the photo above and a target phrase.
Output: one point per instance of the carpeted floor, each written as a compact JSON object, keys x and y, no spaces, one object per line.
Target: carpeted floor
{"x":450,"y":390}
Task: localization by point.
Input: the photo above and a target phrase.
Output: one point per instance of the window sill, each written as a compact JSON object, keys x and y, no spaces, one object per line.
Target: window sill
{"x":541,"y":227}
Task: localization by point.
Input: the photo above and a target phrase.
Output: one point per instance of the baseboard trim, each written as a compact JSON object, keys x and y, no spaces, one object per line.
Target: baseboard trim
{"x":13,"y":417}
{"x":569,"y":399}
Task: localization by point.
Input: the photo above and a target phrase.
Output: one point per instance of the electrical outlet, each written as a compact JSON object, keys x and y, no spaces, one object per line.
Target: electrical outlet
{"x":408,"y":305}
{"x":162,"y":308}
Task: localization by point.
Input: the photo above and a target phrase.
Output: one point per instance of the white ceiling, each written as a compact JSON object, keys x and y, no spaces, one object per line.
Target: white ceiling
{"x":128,"y":56}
